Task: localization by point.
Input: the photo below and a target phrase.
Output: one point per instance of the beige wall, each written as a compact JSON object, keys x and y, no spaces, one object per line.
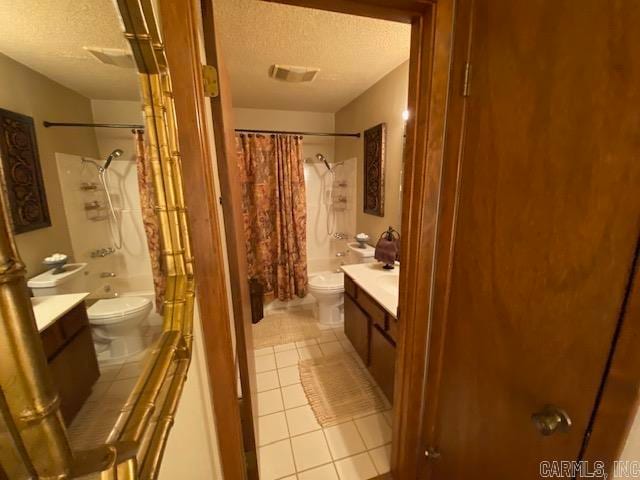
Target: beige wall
{"x":383,"y":102}
{"x":24,"y":91}
{"x":192,"y":449}
{"x":116,"y":111}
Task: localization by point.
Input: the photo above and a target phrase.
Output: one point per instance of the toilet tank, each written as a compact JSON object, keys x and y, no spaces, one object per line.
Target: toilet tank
{"x":362,"y":255}
{"x":71,"y":280}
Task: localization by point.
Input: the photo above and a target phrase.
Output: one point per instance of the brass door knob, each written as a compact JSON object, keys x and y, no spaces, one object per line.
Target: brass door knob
{"x":551,"y":419}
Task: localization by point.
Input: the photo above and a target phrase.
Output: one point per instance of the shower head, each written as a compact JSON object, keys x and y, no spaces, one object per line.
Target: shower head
{"x":115,"y":154}
{"x":322,"y":158}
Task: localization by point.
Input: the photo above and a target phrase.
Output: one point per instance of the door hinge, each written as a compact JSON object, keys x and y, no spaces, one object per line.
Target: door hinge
{"x":466,"y":83}
{"x":210,"y":81}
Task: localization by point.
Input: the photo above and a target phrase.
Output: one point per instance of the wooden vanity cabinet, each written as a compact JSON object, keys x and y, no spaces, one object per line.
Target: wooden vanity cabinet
{"x":68,"y":346}
{"x":371,"y":330}
{"x":356,"y":328}
{"x":382,"y":363}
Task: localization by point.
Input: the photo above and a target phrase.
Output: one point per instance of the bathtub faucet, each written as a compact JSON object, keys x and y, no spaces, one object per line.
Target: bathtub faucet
{"x":102,"y":252}
{"x":107,"y":274}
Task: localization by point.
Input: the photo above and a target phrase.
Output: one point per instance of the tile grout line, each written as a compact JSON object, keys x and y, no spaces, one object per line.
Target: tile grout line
{"x":286,"y":422}
{"x":298,"y":348}
{"x":366,"y":446}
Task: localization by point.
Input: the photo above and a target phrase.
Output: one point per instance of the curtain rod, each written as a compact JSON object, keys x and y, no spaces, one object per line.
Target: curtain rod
{"x":96,"y":125}
{"x":312,"y":134}
{"x":242,"y":130}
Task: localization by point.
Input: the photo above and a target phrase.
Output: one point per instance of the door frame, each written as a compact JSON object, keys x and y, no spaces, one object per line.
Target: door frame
{"x":431,"y":39}
{"x":182,"y":38}
{"x":230,"y":199}
{"x":429,"y":210}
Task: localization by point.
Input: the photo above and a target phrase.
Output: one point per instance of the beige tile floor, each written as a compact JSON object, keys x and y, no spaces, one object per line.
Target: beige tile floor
{"x":93,"y":423}
{"x":292,"y":444}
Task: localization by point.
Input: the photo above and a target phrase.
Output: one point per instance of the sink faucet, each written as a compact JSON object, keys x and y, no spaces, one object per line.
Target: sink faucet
{"x":107,"y":275}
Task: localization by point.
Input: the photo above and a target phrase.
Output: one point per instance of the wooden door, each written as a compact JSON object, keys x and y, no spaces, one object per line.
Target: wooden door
{"x":547,"y":219}
{"x":231,"y":199}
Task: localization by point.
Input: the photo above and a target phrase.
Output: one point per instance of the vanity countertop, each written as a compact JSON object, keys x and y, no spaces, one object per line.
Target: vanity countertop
{"x":49,"y":308}
{"x":381,"y":284}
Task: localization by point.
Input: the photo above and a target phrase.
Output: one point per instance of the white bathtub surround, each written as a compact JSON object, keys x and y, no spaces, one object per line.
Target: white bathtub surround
{"x":381,"y":284}
{"x":89,"y":230}
{"x":87,"y":233}
{"x":49,"y":308}
{"x":132,"y":263}
{"x":133,"y":259}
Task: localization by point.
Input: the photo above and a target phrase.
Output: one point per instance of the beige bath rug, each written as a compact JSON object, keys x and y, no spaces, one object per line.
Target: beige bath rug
{"x":285,"y":326}
{"x":338,"y":389}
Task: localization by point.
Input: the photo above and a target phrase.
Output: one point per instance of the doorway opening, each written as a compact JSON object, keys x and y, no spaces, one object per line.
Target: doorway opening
{"x":440,"y":101}
{"x":320,"y":107}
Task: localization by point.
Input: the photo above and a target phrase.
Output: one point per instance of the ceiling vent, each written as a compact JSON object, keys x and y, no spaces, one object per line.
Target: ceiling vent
{"x":112,"y":56}
{"x":289,"y":73}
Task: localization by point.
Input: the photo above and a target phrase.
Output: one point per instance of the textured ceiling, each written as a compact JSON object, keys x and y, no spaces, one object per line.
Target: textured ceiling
{"x":352,"y":53}
{"x":48,"y":36}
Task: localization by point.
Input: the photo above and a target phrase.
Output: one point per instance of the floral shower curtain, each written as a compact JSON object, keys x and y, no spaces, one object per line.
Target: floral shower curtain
{"x":150,"y":218}
{"x":275,"y":212}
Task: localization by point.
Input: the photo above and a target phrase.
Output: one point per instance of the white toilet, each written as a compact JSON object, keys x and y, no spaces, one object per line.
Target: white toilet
{"x":116,"y":323}
{"x":328,"y":288}
{"x":116,"y":326}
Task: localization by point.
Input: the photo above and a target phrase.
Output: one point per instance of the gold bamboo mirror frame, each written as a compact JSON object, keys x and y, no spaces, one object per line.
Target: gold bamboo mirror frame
{"x":33,"y":438}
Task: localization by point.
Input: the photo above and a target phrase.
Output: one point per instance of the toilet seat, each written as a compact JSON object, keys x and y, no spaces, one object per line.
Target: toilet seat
{"x":113,"y":310}
{"x":327,"y":282}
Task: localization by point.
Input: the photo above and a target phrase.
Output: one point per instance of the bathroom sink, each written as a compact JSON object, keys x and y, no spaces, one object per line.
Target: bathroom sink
{"x":389,"y":283}
{"x":382,"y":285}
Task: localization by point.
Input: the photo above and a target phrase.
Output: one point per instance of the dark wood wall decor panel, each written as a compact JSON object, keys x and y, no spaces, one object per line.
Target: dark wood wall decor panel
{"x":22,"y":172}
{"x":374,"y":159}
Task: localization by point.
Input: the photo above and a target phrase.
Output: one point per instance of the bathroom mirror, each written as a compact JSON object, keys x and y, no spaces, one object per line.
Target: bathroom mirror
{"x":96,"y":307}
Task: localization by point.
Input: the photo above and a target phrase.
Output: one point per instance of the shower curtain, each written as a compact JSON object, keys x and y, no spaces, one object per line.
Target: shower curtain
{"x":150,"y":218}
{"x":275,"y":212}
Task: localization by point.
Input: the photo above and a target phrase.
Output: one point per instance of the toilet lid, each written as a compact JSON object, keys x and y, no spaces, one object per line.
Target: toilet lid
{"x":117,"y":307}
{"x":327,"y":281}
